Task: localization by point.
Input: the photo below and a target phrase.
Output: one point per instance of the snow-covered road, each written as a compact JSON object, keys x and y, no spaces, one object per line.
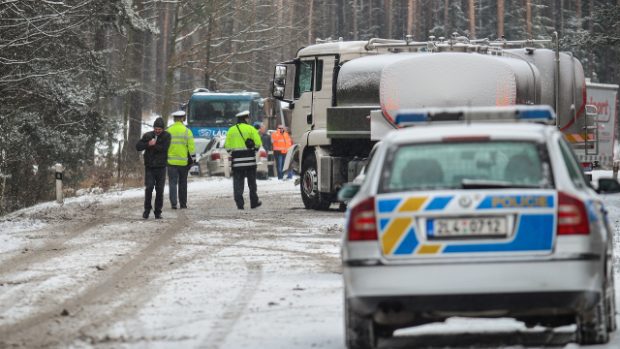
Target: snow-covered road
{"x":93,"y":273}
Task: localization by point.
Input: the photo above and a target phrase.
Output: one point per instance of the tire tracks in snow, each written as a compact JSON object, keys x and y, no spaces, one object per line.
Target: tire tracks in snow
{"x":329,"y":263}
{"x":50,"y":249}
{"x":222,"y":327}
{"x":32,"y":329}
{"x":93,"y":331}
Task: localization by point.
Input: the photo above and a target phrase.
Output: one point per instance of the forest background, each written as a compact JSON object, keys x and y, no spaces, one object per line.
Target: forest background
{"x":75,"y":74}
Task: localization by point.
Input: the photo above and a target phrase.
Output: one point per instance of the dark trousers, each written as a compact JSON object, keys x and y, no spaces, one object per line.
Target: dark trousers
{"x":178,"y":177}
{"x":239,"y":174}
{"x":154,"y":178}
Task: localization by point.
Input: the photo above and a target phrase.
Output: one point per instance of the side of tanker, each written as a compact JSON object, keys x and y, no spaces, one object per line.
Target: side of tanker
{"x":334,"y":87}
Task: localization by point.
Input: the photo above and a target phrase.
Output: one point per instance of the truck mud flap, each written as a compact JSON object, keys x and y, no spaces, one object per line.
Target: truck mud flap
{"x":291,"y":161}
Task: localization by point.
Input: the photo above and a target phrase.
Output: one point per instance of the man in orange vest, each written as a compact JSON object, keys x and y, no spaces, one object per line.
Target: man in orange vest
{"x":281,"y":141}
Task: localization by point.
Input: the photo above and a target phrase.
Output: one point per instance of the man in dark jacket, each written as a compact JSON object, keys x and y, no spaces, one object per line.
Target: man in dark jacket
{"x":155,"y":145}
{"x":266,"y":139}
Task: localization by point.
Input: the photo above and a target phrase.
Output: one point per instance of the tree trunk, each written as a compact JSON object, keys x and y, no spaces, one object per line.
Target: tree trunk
{"x":371,"y":18}
{"x":186,"y":81}
{"x":411,"y":15}
{"x":310,"y":22}
{"x":162,"y":55}
{"x":528,"y":18}
{"x":472,"y":19}
{"x":209,"y":35}
{"x":354,"y":18}
{"x":136,"y":54}
{"x":446,"y":17}
{"x":561,"y":17}
{"x":578,"y":13}
{"x":500,"y":19}
{"x":388,"y":18}
{"x":170,"y":66}
{"x":148,"y":72}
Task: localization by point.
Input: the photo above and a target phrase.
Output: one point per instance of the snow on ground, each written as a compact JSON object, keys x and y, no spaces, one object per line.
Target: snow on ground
{"x":223,"y":289}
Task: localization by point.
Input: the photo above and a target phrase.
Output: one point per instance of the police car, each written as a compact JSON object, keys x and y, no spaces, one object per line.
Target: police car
{"x":489,"y":216}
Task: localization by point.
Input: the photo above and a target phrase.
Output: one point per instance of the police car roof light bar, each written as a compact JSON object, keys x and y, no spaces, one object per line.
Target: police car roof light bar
{"x":529,"y":113}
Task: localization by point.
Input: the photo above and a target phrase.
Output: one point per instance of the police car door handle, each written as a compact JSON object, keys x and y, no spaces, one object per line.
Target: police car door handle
{"x":309,"y":118}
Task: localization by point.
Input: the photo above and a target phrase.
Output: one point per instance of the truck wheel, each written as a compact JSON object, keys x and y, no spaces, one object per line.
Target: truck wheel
{"x":358,"y":329}
{"x":310,"y":194}
{"x":592,"y":323}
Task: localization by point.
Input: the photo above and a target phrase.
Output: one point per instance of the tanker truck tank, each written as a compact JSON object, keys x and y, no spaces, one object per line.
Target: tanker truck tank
{"x":453,"y":79}
{"x":358,"y":79}
{"x":571,"y":97}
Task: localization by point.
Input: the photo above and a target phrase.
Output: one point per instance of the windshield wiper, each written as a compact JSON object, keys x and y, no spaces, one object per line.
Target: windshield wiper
{"x":484,"y":183}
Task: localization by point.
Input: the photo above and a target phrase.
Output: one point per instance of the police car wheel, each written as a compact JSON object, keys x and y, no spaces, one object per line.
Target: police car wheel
{"x":610,"y":300}
{"x":359,"y":330}
{"x":592,"y":323}
{"x":310,"y":194}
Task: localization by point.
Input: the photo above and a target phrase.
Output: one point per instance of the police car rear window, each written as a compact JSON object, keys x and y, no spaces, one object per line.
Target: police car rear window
{"x":466,"y":165}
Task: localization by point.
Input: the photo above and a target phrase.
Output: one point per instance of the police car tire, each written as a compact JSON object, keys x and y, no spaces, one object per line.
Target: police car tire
{"x":610,"y":300}
{"x":592,"y":324}
{"x":316,"y":201}
{"x":358,"y":329}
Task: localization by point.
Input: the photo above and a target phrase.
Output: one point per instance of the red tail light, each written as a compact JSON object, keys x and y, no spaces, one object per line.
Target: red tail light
{"x":262,"y":153}
{"x":572,"y":216}
{"x":362,"y":221}
{"x":215,"y":156}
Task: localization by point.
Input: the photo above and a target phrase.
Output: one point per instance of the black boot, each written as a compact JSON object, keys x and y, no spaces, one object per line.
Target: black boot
{"x":146,"y":213}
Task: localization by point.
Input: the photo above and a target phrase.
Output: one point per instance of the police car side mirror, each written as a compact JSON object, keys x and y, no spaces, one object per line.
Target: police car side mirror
{"x":348,"y":191}
{"x":608,"y":186}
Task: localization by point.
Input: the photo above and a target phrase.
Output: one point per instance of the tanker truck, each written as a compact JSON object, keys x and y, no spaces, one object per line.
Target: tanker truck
{"x":343,"y":95}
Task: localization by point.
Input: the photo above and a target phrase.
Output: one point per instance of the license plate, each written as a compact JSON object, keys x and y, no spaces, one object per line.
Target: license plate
{"x":439,"y":228}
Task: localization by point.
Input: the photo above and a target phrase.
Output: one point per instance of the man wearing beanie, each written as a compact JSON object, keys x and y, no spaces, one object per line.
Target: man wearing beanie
{"x":155,"y":145}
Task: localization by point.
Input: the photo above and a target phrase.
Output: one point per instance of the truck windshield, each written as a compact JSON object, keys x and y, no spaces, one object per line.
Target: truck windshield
{"x":466,"y":165}
{"x":213,"y":112}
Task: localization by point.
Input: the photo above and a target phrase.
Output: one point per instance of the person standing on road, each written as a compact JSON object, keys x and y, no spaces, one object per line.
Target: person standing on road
{"x":181,"y":155}
{"x":242,"y":141}
{"x":281,"y":141}
{"x":266,"y":139}
{"x":264,"y":136}
{"x":155,"y":145}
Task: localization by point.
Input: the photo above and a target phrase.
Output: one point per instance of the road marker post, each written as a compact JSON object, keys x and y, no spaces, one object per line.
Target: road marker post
{"x":59,"y":169}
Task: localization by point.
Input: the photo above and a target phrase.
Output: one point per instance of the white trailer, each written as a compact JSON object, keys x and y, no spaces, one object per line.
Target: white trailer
{"x":595,"y":144}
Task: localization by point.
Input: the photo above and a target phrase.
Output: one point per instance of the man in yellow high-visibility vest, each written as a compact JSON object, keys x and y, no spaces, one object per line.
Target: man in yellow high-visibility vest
{"x":242,"y":140}
{"x":181,"y":155}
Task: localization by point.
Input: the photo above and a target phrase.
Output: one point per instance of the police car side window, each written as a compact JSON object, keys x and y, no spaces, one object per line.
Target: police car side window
{"x":572,"y":165}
